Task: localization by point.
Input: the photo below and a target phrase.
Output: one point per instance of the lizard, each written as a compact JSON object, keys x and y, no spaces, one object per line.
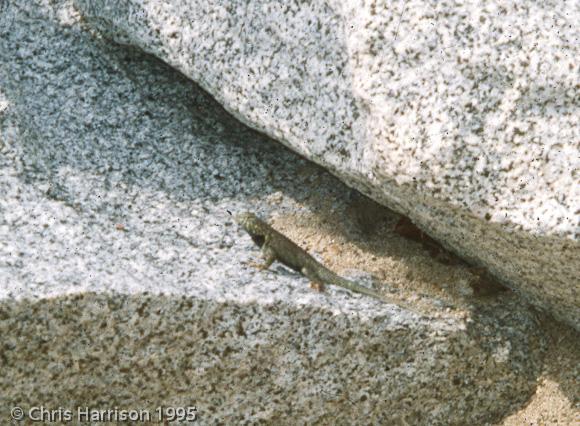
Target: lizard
{"x":277,"y":247}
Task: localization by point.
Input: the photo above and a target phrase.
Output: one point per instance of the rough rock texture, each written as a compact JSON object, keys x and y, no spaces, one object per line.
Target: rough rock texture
{"x":464,"y":117}
{"x":122,"y":277}
{"x":249,"y":362}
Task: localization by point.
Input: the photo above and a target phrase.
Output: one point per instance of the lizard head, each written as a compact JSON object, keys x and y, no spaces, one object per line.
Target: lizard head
{"x":253,"y":225}
{"x":245,"y":219}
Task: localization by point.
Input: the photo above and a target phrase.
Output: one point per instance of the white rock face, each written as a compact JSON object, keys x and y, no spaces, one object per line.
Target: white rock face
{"x":463,"y":117}
{"x":124,"y":284}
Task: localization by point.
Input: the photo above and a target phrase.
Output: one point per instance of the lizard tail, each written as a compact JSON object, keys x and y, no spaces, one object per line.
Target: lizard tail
{"x":330,"y":277}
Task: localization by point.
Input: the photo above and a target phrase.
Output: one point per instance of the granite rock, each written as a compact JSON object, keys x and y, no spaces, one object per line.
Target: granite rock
{"x":251,"y":362}
{"x":122,"y":276}
{"x":463,"y":117}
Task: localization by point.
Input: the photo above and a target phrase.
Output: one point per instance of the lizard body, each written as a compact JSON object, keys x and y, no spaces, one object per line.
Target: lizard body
{"x":276,"y":246}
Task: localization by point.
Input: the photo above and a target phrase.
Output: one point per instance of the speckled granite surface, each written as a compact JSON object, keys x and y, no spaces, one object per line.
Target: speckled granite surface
{"x":122,"y":277}
{"x":246,"y":363}
{"x":464,"y":117}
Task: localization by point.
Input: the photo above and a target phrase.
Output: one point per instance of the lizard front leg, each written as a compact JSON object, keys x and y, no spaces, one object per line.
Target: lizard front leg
{"x":269,"y":257}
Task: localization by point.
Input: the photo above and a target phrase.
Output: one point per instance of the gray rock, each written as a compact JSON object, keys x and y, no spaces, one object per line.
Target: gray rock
{"x":462,"y":117}
{"x":122,"y":284}
{"x":250,"y":362}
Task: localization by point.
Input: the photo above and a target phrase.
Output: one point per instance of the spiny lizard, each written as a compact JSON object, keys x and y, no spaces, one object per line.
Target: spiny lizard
{"x":276,"y":246}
